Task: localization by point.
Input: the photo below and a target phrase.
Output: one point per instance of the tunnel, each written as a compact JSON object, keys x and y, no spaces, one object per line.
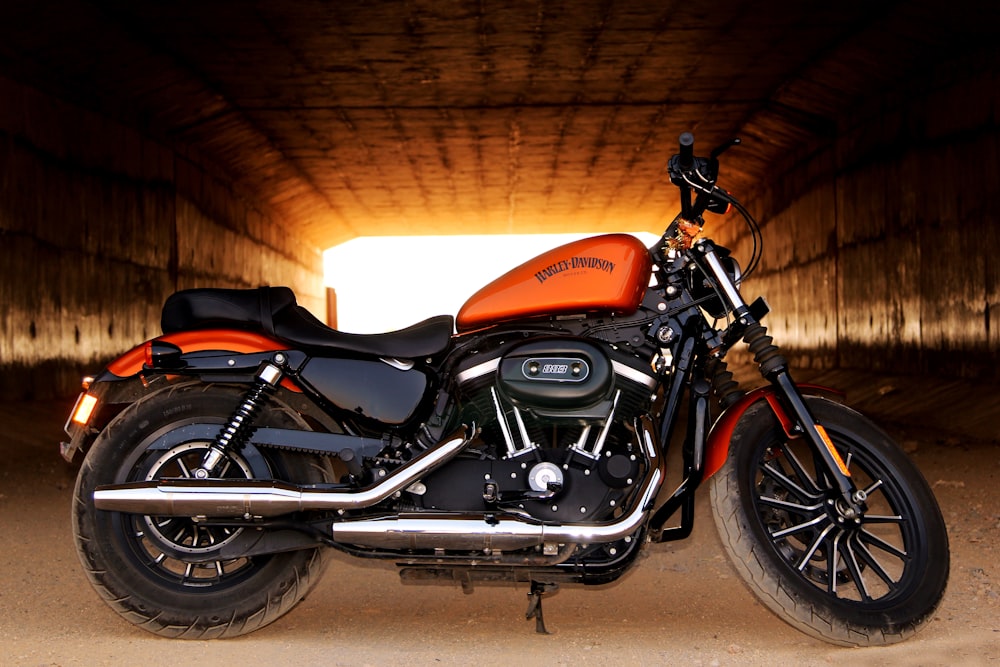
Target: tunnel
{"x":149,"y":147}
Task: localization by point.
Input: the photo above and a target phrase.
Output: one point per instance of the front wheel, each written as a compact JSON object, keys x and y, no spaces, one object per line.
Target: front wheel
{"x":862,"y":580}
{"x":172,"y":575}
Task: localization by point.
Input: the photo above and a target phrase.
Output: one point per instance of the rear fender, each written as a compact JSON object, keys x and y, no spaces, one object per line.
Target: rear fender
{"x":127,"y":379}
{"x":224,"y":340}
{"x":717,"y":447}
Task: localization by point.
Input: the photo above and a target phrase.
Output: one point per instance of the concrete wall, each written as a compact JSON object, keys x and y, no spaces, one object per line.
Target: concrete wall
{"x":881,"y":249}
{"x":880,"y":246}
{"x":98,"y":225}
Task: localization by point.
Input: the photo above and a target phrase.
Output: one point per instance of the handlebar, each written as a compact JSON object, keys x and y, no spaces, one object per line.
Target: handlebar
{"x":699,"y":174}
{"x":686,"y":141}
{"x":690,"y":173}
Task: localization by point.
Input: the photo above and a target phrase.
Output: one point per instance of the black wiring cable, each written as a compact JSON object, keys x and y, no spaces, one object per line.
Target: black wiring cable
{"x":757,"y":238}
{"x":755,"y":233}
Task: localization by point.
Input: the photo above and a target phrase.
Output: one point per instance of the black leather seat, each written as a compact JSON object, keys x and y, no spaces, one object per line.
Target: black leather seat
{"x":274,"y":311}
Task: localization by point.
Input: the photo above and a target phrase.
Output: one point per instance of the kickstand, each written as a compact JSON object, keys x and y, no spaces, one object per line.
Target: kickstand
{"x":535,"y":604}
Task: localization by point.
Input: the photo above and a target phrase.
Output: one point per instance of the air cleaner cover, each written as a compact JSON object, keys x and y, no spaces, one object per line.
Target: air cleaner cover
{"x":556,"y":373}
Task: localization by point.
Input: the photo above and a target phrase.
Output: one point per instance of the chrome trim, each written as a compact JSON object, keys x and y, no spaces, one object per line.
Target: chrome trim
{"x":263,"y":498}
{"x":526,"y":442}
{"x":646,"y":434}
{"x":722,"y":278}
{"x":602,"y":436}
{"x":504,"y":426}
{"x":493,"y":532}
{"x":270,"y":374}
{"x":478,"y":370}
{"x":632,"y":374}
{"x":400,"y":364}
{"x":581,"y":444}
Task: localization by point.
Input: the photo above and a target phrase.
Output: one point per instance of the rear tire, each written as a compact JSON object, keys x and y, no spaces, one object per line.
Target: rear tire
{"x":866,"y":582}
{"x":158,"y":572}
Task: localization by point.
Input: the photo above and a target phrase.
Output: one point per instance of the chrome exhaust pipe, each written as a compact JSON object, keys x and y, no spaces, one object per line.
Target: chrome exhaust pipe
{"x":501,"y":533}
{"x":222,"y":498}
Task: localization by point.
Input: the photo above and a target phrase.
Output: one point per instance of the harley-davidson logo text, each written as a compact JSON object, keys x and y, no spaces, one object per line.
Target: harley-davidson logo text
{"x":575,"y":263}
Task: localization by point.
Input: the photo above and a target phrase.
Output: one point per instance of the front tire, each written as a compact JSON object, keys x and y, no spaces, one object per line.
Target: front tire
{"x":853,"y":581}
{"x":166,"y":574}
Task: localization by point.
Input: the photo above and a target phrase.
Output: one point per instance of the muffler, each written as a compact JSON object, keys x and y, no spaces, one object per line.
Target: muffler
{"x":225,"y":498}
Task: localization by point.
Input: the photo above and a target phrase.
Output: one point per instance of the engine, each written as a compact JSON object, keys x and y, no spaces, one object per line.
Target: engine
{"x":559,"y":441}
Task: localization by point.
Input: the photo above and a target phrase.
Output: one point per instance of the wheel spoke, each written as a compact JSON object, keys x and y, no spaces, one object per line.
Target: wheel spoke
{"x":871,"y":489}
{"x":850,"y":559}
{"x":873,"y":563}
{"x":801,"y":473}
{"x":879,"y":518}
{"x":799,"y":527}
{"x":787,"y":482}
{"x":185,"y":471}
{"x":183,"y":532}
{"x":832,"y":565}
{"x":807,"y":556}
{"x":786,"y":505}
{"x":879,"y":543}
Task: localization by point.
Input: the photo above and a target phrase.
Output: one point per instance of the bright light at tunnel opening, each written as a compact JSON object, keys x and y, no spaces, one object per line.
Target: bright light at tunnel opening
{"x":384,"y":283}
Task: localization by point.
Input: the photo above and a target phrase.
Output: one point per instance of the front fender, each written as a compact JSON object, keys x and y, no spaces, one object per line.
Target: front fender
{"x":717,"y":446}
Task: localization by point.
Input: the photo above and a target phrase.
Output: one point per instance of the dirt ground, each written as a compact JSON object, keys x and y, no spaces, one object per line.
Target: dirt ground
{"x":681,"y":605}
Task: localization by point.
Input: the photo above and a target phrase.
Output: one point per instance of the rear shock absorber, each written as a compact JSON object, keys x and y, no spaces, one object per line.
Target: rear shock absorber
{"x":237,"y":431}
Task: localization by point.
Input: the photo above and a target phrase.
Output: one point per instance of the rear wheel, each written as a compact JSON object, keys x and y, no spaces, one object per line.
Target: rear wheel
{"x":851,"y":580}
{"x":171,"y":575}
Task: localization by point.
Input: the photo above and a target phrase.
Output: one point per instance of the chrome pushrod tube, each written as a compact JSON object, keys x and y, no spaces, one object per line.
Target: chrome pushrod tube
{"x":264,"y":498}
{"x":499,"y":532}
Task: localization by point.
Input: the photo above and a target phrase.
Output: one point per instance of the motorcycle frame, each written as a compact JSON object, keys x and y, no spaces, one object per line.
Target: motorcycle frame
{"x":268,"y":365}
{"x":235,"y":356}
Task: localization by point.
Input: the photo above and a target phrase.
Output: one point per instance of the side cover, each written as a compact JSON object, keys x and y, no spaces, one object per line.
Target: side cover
{"x":606,"y":274}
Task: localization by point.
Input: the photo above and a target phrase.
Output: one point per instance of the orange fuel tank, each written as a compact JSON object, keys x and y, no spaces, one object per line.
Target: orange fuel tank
{"x":606,"y":274}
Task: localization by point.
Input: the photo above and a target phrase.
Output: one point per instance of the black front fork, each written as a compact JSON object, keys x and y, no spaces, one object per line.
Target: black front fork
{"x":774,"y":368}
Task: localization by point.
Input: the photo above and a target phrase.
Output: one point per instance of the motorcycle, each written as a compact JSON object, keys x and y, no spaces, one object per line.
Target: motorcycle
{"x":525,"y":440}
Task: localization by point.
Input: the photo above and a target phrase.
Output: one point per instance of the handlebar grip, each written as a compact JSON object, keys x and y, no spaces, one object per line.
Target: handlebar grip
{"x":686,"y":141}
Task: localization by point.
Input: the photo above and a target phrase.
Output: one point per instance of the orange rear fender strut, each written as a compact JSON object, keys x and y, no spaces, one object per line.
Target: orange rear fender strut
{"x":224,"y":340}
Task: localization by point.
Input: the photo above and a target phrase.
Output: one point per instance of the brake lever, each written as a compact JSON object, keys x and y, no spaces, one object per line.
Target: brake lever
{"x":719,"y":150}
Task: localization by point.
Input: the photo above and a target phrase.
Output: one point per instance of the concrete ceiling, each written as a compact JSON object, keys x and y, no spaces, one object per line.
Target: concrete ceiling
{"x":421,"y":117}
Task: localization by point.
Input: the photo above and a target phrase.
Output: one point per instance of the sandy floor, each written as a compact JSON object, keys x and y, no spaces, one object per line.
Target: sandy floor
{"x":682,"y":604}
